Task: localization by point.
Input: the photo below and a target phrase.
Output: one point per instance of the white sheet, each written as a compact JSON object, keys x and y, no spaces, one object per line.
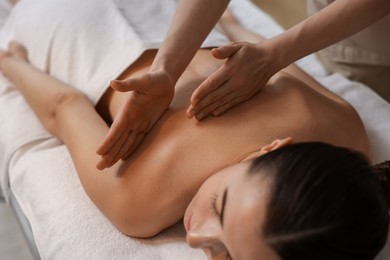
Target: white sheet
{"x":5,"y":9}
{"x":65,"y":222}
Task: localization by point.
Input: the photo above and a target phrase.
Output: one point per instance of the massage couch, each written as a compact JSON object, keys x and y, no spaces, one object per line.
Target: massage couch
{"x":37,"y":176}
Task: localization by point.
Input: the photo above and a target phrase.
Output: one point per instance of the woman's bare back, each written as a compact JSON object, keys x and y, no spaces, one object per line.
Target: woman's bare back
{"x":179,"y":154}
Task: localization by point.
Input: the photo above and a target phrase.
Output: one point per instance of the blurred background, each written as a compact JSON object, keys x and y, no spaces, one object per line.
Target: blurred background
{"x":286,"y":12}
{"x":12,"y":243}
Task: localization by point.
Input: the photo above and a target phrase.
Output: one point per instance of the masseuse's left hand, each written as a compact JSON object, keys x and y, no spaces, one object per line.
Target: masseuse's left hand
{"x":148,"y":97}
{"x":247,"y":69}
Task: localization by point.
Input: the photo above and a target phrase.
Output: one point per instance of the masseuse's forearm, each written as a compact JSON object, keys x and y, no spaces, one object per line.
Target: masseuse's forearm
{"x":191,"y":24}
{"x":335,"y":22}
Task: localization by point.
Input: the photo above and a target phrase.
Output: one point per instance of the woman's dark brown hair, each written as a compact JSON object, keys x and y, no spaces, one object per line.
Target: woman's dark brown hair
{"x":325,"y":203}
{"x":382,"y":172}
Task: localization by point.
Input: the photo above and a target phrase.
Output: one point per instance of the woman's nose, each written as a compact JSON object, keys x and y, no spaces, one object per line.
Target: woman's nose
{"x":210,"y":242}
{"x":207,"y":237}
{"x":198,"y":239}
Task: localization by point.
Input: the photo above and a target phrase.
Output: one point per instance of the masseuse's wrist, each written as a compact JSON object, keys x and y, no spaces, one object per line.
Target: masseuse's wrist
{"x":274,"y":55}
{"x":166,"y":69}
{"x":166,"y":77}
{"x":162,"y":87}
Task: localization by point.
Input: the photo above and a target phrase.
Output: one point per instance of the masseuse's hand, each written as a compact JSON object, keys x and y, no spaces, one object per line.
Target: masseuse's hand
{"x":148,"y":97}
{"x":247,"y":69}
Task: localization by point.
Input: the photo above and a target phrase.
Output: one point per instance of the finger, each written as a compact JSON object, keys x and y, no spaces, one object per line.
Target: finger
{"x":127,"y":146}
{"x":226,"y":107}
{"x":112,"y":137}
{"x":128,"y":84}
{"x":118,"y":127}
{"x":190,"y":111}
{"x":137,"y":142}
{"x":217,"y":96}
{"x":208,"y":110}
{"x":109,"y":158}
{"x":103,"y":163}
{"x":114,"y":153}
{"x":213,"y":82}
{"x":226,"y":51}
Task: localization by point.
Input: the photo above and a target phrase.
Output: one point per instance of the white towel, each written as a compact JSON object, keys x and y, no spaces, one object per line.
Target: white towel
{"x":19,"y":126}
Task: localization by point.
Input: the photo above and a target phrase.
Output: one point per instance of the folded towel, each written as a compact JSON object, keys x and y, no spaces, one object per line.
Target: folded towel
{"x":19,"y":126}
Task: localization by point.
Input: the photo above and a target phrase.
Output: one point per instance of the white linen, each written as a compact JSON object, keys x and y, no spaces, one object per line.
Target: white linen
{"x":66,"y":224}
{"x":5,"y":9}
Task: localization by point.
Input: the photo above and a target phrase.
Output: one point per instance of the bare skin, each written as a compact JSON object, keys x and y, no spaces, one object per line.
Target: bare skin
{"x":247,"y":68}
{"x":150,"y":190}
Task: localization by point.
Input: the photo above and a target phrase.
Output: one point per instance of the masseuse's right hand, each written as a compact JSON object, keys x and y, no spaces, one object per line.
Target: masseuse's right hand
{"x":148,"y":97}
{"x":247,"y":69}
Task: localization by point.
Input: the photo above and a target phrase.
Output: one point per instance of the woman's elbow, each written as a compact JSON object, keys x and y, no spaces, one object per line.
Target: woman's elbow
{"x":142,"y":220}
{"x":138,"y":229}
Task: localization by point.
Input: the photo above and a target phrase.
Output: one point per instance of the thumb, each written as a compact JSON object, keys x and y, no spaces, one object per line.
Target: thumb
{"x":226,"y":51}
{"x":125,"y":85}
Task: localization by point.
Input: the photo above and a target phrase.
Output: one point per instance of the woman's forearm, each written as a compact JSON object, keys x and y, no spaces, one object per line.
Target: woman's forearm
{"x":335,"y":22}
{"x":41,"y":91}
{"x":191,"y":24}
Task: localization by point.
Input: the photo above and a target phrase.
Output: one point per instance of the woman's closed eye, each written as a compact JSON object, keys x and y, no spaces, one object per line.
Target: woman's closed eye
{"x":228,"y":257}
{"x":214,"y":200}
{"x":214,"y":205}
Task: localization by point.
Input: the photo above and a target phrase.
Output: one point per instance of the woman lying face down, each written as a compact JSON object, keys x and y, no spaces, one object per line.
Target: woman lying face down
{"x":283,"y":201}
{"x":295,"y":201}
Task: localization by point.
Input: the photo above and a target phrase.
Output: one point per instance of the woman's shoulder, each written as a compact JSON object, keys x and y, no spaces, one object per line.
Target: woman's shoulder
{"x":322,"y":114}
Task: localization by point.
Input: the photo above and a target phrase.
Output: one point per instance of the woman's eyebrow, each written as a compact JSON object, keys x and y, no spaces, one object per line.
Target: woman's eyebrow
{"x":224,"y":199}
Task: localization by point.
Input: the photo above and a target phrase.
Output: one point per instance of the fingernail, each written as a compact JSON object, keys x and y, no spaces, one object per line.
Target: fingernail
{"x":99,"y":166}
{"x":190,"y":114}
{"x":114,"y":81}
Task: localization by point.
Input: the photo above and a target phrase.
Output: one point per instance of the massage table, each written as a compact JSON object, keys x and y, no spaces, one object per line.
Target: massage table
{"x":37,"y":176}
